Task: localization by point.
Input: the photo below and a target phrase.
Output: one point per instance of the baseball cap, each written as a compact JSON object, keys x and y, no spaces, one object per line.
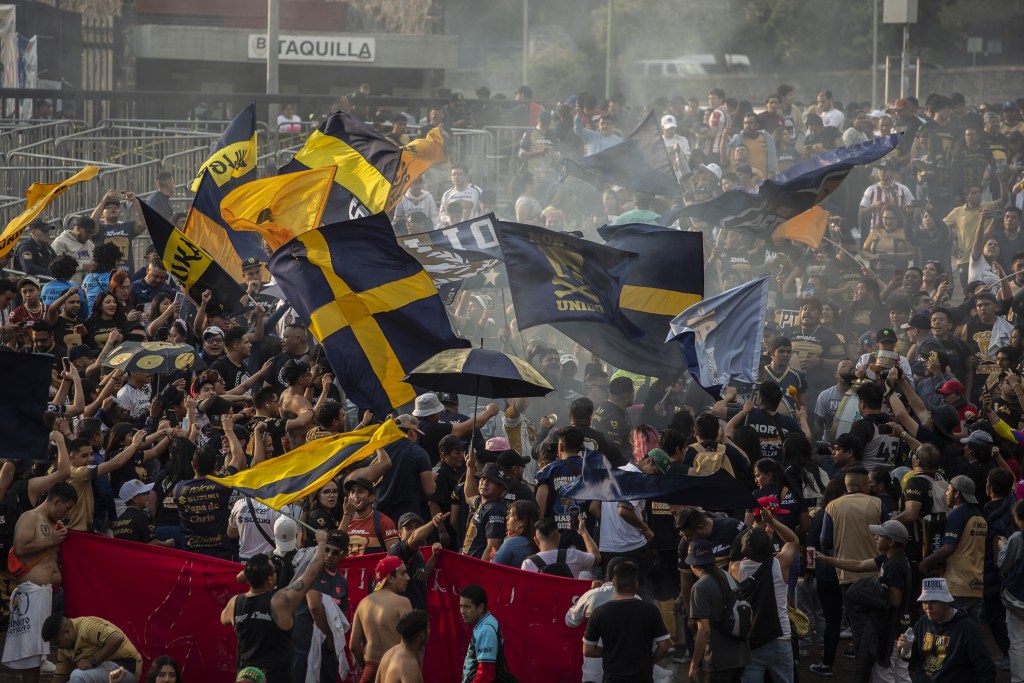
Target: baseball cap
{"x":890,"y":529}
{"x":978,"y":437}
{"x":215,"y":406}
{"x":447,"y":397}
{"x":251,"y":262}
{"x":568,"y":358}
{"x":132,"y":488}
{"x":497,"y":443}
{"x":965,"y":485}
{"x":495,"y":473}
{"x":702,"y":553}
{"x":450,"y":443}
{"x":511,"y":458}
{"x":27,"y":281}
{"x":935,"y":589}
{"x":251,"y":674}
{"x":410,"y":518}
{"x":950,"y":386}
{"x":359,"y":481}
{"x":918,"y":321}
{"x":286,"y":533}
{"x":713,"y":168}
{"x":426,"y":405}
{"x":770,"y":503}
{"x":212,"y":331}
{"x":40,"y":225}
{"x":668,"y":121}
{"x":885,"y":163}
{"x":385,"y":568}
{"x":81,"y":351}
{"x":406,"y":421}
{"x":886,"y":334}
{"x":848,"y":442}
{"x":660,"y":459}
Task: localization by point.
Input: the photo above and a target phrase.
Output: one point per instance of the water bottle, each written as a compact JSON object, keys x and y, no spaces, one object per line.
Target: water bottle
{"x":908,"y":647}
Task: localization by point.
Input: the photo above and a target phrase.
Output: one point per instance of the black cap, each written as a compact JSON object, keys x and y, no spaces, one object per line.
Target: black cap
{"x":886,"y":334}
{"x":512,"y":458}
{"x":450,"y":443}
{"x":495,"y":473}
{"x":359,"y":481}
{"x":918,"y":321}
{"x":447,"y":397}
{"x":251,"y":262}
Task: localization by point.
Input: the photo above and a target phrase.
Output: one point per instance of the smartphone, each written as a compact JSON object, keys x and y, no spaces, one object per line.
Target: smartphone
{"x":66,"y":363}
{"x":140,"y":307}
{"x":944,"y":278}
{"x":179,"y":299}
{"x":897,"y":272}
{"x":172,"y":416}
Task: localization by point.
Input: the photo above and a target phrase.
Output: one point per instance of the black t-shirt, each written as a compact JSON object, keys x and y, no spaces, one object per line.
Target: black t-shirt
{"x":232,"y":374}
{"x":417,"y":567}
{"x":613,"y":421}
{"x":894,"y":572}
{"x":925,"y":534}
{"x":433,"y":432}
{"x":134,"y":525}
{"x":166,"y":507}
{"x":446,"y":493}
{"x":724,"y":533}
{"x":319,"y":518}
{"x":329,"y":583}
{"x":771,"y":430}
{"x":519,"y":491}
{"x":203,"y":510}
{"x":275,"y":430}
{"x":627,"y":630}
{"x":133,"y":469}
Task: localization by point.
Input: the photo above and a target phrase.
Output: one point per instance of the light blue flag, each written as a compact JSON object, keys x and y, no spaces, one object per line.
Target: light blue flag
{"x":721,"y":336}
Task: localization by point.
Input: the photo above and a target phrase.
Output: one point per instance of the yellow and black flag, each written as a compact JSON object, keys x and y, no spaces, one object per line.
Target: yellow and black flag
{"x":373,"y":172}
{"x":232,"y":163}
{"x":373,"y":308}
{"x":190,"y":264}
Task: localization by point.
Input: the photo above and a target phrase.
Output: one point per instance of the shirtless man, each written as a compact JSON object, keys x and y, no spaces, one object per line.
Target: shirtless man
{"x":33,"y":561}
{"x":374,"y":626}
{"x":403,"y":663}
{"x":297,"y":398}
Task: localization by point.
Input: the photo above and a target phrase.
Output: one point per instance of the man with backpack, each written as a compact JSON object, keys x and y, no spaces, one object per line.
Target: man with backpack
{"x":709,"y":454}
{"x":923,"y":506}
{"x":557,"y":561}
{"x":485,"y":657}
{"x":722,"y":618}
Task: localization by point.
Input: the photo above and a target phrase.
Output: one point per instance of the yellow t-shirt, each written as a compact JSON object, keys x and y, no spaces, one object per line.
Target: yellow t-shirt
{"x":965,"y":568}
{"x":963,"y":223}
{"x":80,"y":516}
{"x":91,"y":633}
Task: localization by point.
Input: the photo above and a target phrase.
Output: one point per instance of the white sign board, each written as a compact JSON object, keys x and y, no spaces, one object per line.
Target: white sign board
{"x":329,"y":48}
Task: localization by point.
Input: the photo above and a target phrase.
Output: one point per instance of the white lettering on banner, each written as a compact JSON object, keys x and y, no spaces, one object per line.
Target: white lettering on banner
{"x":321,"y":48}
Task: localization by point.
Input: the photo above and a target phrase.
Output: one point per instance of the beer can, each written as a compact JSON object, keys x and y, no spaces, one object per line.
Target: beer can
{"x":810,"y":557}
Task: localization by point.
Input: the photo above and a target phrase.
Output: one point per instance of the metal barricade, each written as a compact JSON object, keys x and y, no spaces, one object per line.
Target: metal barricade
{"x":20,"y":135}
{"x":504,"y":156}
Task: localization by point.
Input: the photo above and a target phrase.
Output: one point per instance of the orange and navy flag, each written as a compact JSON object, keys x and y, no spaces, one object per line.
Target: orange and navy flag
{"x":280,"y":207}
{"x":373,"y":308}
{"x":373,"y":172}
{"x":232,"y":163}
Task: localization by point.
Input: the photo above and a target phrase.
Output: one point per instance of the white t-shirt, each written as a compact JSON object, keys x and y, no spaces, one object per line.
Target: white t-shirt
{"x":616,"y":535}
{"x":135,"y":401}
{"x":250,"y":540}
{"x":981,"y":269}
{"x":833,"y":117}
{"x":289,"y":124}
{"x":576,"y":560}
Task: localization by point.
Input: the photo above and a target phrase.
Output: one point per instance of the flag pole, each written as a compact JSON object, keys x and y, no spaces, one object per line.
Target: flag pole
{"x":282,"y":512}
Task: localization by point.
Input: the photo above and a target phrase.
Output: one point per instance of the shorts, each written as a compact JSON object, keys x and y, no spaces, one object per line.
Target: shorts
{"x":369,"y":672}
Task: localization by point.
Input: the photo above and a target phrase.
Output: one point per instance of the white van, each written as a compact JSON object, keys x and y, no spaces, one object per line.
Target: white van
{"x":691,"y":65}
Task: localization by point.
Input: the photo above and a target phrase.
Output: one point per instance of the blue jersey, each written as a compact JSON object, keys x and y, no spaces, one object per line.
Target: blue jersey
{"x":483,"y":646}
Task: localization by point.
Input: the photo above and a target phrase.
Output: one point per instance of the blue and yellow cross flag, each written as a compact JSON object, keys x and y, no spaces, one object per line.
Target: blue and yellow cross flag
{"x":298,"y":473}
{"x":191,"y":265}
{"x":558,"y":278}
{"x":232,"y":163}
{"x":667,"y":279}
{"x":721,"y":336}
{"x":373,"y":308}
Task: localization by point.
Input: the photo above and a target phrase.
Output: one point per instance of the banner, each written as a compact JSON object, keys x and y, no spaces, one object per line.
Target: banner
{"x":170,"y":603}
{"x":457,"y":252}
{"x":37,"y":198}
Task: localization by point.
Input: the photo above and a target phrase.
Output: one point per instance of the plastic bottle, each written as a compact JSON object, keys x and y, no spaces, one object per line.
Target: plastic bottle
{"x":908,"y":647}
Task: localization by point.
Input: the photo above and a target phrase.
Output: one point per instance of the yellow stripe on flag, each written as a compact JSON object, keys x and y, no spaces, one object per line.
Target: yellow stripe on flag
{"x":209,"y":234}
{"x":281,"y":207}
{"x":807,"y":228}
{"x":656,"y":301}
{"x":37,"y":198}
{"x":298,"y":473}
{"x":355,"y":173}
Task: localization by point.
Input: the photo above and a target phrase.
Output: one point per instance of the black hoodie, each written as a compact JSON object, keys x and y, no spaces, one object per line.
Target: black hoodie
{"x":952,"y":652}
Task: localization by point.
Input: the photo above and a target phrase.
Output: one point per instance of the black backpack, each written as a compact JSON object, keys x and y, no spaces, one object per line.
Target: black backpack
{"x":737,"y":615}
{"x":557,"y":568}
{"x":502,"y":674}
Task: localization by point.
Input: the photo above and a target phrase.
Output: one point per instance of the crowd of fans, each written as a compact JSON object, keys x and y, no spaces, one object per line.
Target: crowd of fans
{"x":881,"y":445}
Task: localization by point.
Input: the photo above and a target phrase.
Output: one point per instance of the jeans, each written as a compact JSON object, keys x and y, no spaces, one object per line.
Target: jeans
{"x":775,"y":657}
{"x":101,"y":674}
{"x":1015,"y":626}
{"x":972,"y":606}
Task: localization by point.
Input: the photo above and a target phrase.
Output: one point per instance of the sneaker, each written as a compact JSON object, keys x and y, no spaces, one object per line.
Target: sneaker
{"x":680,"y":655}
{"x":849,"y":653}
{"x":821,"y":670}
{"x":1003,"y":664}
{"x":48,"y":667}
{"x":846,"y":634}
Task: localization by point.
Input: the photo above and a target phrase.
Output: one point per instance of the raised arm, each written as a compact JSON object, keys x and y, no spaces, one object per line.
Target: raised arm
{"x":37,"y":486}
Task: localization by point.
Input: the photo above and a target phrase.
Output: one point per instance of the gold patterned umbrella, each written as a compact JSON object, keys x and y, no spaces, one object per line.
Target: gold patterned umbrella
{"x":156,"y":358}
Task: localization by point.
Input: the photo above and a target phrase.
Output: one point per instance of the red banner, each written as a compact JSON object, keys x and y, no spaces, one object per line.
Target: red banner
{"x":169,"y":602}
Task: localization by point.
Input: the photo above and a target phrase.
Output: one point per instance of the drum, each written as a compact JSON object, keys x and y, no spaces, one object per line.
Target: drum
{"x":847,"y":413}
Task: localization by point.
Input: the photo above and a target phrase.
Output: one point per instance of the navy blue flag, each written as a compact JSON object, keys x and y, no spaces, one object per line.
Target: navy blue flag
{"x":558,"y":278}
{"x":22,"y":405}
{"x":667,"y":279}
{"x":456,"y":253}
{"x":369,"y":303}
{"x":721,"y":336}
{"x":640,"y":162}
{"x":785,"y":194}
{"x":718,"y":491}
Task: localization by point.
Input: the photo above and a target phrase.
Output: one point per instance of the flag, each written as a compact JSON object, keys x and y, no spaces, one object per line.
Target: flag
{"x":807,"y":228}
{"x":299,"y":472}
{"x":372,"y":306}
{"x":417,"y":157}
{"x":668,"y":278}
{"x":787,"y":194}
{"x":176,"y":597}
{"x":453,"y":254}
{"x":558,"y":278}
{"x":233,"y":155}
{"x":191,"y":265}
{"x":1001,"y":332}
{"x":232,"y":164}
{"x":721,"y":336}
{"x":280,"y":207}
{"x":23,"y":404}
{"x":640,"y":162}
{"x":598,"y":481}
{"x":38,"y":197}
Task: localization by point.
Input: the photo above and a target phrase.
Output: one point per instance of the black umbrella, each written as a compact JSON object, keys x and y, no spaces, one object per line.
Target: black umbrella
{"x":156,"y":358}
{"x":479,"y":372}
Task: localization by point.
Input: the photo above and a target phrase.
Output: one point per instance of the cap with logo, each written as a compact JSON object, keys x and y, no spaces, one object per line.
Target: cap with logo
{"x":132,"y":488}
{"x":713,"y":168}
{"x":702,"y":553}
{"x":447,"y":397}
{"x":251,"y":262}
{"x":935,"y":590}
{"x":497,"y":443}
{"x":286,"y":533}
{"x":212,"y":331}
{"x":886,"y":334}
{"x":495,"y":473}
{"x":385,"y":568}
{"x":362,"y":482}
{"x":660,"y":459}
{"x":408,"y":422}
{"x":668,"y":121}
